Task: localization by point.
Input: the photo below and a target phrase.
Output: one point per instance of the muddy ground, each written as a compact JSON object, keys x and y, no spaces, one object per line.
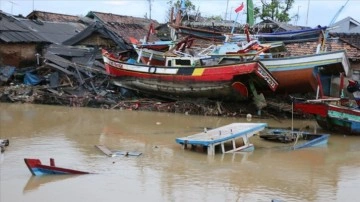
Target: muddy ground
{"x":278,"y":107}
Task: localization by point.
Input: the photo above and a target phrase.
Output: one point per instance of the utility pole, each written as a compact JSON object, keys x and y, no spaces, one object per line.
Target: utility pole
{"x":227,"y":5}
{"x":297,"y":16}
{"x":12,"y":5}
{"x":150,"y":9}
{"x":307,"y":13}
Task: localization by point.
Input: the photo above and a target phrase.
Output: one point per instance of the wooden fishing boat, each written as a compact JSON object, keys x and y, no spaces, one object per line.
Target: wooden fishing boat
{"x":192,"y":77}
{"x":37,"y":168}
{"x":301,"y":139}
{"x":310,"y":34}
{"x":226,"y":137}
{"x":307,"y":70}
{"x":331,"y":115}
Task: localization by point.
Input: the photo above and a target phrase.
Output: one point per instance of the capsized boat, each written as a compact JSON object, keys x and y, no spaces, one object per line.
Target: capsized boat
{"x":38,"y":169}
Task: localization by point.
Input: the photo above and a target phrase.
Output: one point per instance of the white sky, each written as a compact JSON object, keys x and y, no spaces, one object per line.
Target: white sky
{"x":319,"y":12}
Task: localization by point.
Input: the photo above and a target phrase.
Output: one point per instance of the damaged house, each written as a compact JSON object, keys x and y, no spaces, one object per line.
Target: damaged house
{"x":23,"y":39}
{"x":18,"y":44}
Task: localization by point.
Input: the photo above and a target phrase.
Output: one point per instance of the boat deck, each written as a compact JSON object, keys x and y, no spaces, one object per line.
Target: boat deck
{"x":221,"y":135}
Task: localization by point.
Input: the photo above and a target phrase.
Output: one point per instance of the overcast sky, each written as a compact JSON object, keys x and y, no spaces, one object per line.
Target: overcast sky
{"x":311,"y":12}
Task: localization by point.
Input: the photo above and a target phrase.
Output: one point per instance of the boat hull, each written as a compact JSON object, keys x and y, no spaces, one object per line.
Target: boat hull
{"x":38,"y":169}
{"x":292,"y":72}
{"x":332,"y":117}
{"x":230,"y":81}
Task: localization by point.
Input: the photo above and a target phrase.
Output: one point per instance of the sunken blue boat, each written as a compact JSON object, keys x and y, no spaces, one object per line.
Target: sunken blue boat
{"x":225,"y":137}
{"x":312,"y":140}
{"x":301,"y":139}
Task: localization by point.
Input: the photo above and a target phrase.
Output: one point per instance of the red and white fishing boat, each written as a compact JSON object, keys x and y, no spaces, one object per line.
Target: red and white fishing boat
{"x":191,"y":77}
{"x":38,"y":169}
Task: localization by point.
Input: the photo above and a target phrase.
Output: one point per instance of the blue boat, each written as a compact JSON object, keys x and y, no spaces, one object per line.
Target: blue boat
{"x":225,"y":137}
{"x":301,"y":139}
{"x":312,"y":140}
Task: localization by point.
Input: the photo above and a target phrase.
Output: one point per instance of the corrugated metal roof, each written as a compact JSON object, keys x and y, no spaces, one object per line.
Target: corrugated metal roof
{"x":54,"y":32}
{"x":100,"y":28}
{"x":346,"y":25}
{"x":12,"y":31}
{"x":52,"y":17}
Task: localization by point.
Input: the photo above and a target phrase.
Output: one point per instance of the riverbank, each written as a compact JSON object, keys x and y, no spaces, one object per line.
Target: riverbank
{"x":118,"y":99}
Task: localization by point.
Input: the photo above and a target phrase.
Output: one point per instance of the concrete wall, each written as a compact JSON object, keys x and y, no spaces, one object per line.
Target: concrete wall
{"x":18,"y":55}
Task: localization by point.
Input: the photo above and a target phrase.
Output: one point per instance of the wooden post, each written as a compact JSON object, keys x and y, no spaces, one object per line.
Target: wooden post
{"x":222,"y":148}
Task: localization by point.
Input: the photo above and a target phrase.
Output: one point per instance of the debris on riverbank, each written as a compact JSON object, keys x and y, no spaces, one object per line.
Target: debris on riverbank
{"x":75,"y":77}
{"x":115,"y":98}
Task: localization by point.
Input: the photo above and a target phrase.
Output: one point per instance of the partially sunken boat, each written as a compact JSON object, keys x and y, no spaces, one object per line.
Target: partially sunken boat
{"x":225,"y":137}
{"x":38,"y":169}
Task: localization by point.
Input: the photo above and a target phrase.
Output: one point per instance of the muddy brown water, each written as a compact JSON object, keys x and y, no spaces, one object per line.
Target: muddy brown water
{"x":164,"y":172}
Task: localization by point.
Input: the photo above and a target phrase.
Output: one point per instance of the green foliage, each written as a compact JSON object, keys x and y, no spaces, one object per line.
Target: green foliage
{"x":274,"y":9}
{"x":177,"y":4}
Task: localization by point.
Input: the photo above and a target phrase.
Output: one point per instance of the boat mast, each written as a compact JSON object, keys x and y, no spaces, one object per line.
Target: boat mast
{"x":307,"y":12}
{"x":227,"y":6}
{"x":331,"y":24}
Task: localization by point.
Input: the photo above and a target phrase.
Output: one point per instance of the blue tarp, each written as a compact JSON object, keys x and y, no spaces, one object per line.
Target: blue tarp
{"x":6,"y":72}
{"x":31,"y":79}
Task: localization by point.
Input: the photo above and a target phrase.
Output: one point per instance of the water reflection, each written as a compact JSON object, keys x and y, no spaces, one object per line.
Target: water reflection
{"x":35,"y":182}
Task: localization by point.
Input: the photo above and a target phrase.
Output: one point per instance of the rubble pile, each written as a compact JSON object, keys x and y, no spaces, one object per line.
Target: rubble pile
{"x":75,"y":77}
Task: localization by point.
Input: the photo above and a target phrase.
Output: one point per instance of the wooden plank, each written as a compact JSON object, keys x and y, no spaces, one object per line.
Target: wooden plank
{"x":109,"y":153}
{"x":104,"y":149}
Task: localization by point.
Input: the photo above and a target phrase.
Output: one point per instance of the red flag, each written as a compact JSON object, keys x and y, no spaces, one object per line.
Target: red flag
{"x":238,"y":9}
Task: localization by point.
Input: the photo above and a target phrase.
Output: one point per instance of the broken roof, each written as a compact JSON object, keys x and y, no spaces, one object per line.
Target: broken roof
{"x":276,"y":26}
{"x":13,"y":31}
{"x":54,"y":32}
{"x":52,"y":17}
{"x":98,"y":27}
{"x":125,"y":26}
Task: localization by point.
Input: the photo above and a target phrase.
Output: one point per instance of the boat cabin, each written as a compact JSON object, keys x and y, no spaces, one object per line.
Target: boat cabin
{"x":183,"y":61}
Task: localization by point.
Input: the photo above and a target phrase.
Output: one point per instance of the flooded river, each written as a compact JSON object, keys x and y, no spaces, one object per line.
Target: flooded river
{"x":164,"y":171}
